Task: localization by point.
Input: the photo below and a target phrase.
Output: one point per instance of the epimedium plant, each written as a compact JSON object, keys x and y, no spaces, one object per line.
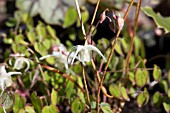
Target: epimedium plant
{"x":50,"y":77}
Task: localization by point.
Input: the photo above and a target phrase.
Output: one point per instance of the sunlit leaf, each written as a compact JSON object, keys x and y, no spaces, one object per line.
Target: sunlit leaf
{"x":156,"y":73}
{"x":115,"y":91}
{"x":31,"y":37}
{"x":141,"y":77}
{"x":161,"y":22}
{"x":50,"y":109}
{"x":70,"y":17}
{"x":131,"y":76}
{"x":124,"y":94}
{"x":29,"y":109}
{"x":51,"y":31}
{"x":54,"y":97}
{"x":142,"y":98}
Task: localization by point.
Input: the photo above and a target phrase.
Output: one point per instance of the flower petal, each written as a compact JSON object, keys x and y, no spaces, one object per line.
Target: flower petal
{"x":41,"y":58}
{"x":91,"y":47}
{"x":14,"y":73}
{"x":2,"y":70}
{"x":28,"y":64}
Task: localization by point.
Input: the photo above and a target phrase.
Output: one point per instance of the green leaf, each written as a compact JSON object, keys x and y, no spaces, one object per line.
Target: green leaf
{"x":164,"y":85}
{"x":106,"y":107}
{"x":51,"y":31}
{"x":142,"y":98}
{"x":1,"y":109}
{"x":21,"y":110}
{"x":54,"y":97}
{"x":70,"y":17}
{"x":69,"y":89}
{"x":47,"y":43}
{"x":36,"y":102}
{"x":157,"y":99}
{"x":157,"y":73}
{"x":31,"y":37}
{"x":41,"y":31}
{"x":141,"y":77}
{"x":131,"y":77}
{"x":8,"y":40}
{"x":40,"y":49}
{"x":85,"y":16}
{"x":161,"y":22}
{"x":19,"y":103}
{"x":166,"y":104}
{"x":124,"y":94}
{"x":20,"y":39}
{"x":93,"y":104}
{"x":77,"y":106}
{"x":137,"y":44}
{"x":50,"y":109}
{"x":29,"y":109}
{"x":115,"y":91}
{"x":118,"y":48}
{"x":80,"y":93}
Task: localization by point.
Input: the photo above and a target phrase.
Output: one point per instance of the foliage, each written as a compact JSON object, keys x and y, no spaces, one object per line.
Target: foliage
{"x":59,"y":77}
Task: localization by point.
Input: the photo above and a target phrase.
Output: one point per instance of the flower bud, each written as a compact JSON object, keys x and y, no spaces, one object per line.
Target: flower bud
{"x":120,"y":22}
{"x":103,"y":16}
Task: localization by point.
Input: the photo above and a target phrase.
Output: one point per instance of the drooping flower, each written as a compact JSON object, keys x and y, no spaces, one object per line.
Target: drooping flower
{"x":83,"y":53}
{"x":120,"y":20}
{"x":5,"y":78}
{"x":20,"y":61}
{"x":60,"y":53}
{"x":103,"y":16}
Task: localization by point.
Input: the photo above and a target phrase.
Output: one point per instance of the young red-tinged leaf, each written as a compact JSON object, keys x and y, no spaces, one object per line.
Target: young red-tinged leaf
{"x":156,"y":73}
{"x":115,"y":91}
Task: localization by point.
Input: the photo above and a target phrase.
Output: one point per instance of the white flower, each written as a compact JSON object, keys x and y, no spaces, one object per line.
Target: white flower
{"x":83,"y":53}
{"x":5,"y":78}
{"x":19,"y":61}
{"x":61,"y":54}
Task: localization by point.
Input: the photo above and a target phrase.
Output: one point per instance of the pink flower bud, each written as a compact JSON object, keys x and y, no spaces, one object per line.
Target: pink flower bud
{"x":103,"y":16}
{"x":120,"y":22}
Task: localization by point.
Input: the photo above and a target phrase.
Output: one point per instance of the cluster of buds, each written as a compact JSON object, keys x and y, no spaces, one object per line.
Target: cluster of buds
{"x":116,"y":16}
